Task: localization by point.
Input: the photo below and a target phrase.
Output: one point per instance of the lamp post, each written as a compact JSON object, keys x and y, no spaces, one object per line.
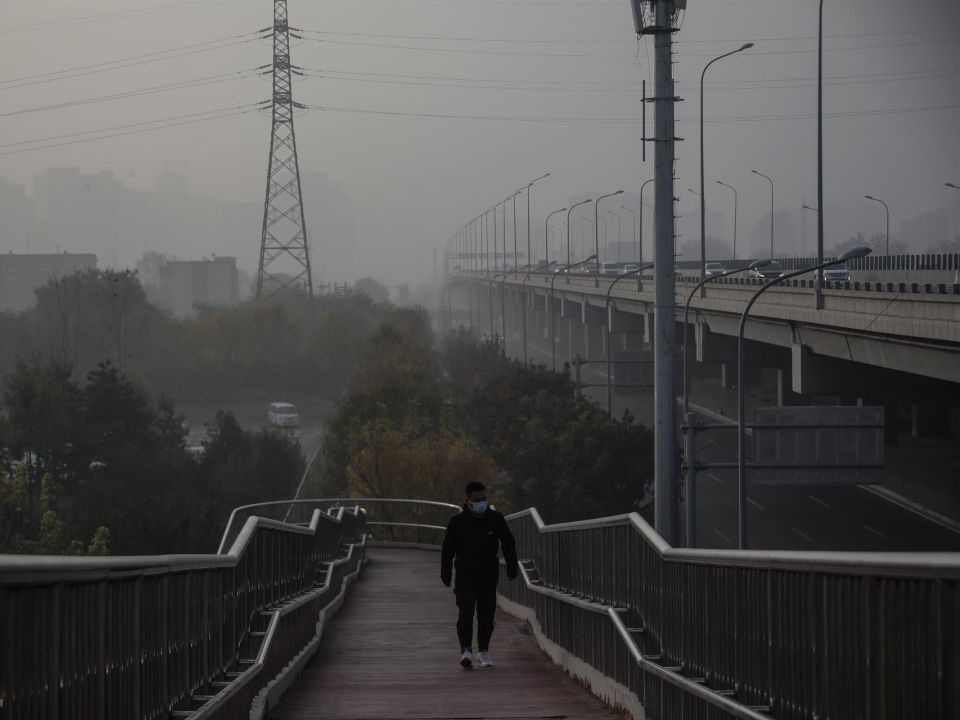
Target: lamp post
{"x":546,"y":234}
{"x":606,"y":249}
{"x":596,"y":231}
{"x":818,"y":280}
{"x":770,"y":180}
{"x":856,"y":252}
{"x":584,"y":202}
{"x":887,"y":208}
{"x":703,"y":191}
{"x":619,"y":239}
{"x":523,"y":287}
{"x":803,"y":239}
{"x":690,"y":485}
{"x":607,"y":323}
{"x":644,"y":185}
{"x":516,"y":256}
{"x":734,"y":216}
{"x":530,"y":185}
{"x":633,"y":233}
{"x":553,"y":342}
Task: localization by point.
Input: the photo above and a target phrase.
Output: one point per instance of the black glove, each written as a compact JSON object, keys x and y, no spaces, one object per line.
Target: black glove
{"x":512,"y":573}
{"x":445,"y":579}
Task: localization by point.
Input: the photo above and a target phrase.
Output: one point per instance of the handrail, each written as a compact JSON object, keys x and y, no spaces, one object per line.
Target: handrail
{"x":796,"y":633}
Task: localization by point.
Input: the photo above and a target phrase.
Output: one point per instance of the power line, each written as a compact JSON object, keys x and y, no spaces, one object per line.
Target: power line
{"x":197,"y":82}
{"x":247,"y":107}
{"x":629,"y":121}
{"x":132,"y":132}
{"x":130,"y":61}
{"x":120,"y":15}
{"x":580,"y":41}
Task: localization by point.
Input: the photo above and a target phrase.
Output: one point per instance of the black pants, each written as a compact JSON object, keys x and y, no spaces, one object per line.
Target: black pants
{"x":480,"y":595}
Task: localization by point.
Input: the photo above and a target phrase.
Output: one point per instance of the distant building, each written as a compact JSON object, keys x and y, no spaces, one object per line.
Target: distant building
{"x":186,"y":284}
{"x":20,"y":275}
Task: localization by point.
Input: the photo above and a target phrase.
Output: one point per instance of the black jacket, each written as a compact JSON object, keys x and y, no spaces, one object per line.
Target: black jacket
{"x":472,"y":543}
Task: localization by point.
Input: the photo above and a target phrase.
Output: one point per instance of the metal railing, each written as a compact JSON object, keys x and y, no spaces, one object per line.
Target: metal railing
{"x":143,"y":637}
{"x":699,"y":633}
{"x":387,"y":519}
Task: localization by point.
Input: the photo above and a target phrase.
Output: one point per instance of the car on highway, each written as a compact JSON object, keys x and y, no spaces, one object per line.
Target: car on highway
{"x":631,"y":267}
{"x":770,"y":271}
{"x":712,"y":269}
{"x":283,"y":414}
{"x":609,"y":268}
{"x":837,"y":273}
{"x":589,"y":269}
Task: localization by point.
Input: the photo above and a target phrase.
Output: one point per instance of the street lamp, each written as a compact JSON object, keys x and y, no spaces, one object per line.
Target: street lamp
{"x":703,"y":190}
{"x":575,"y":205}
{"x":633,"y":214}
{"x":530,"y":185}
{"x":553,"y":342}
{"x":596,"y":231}
{"x":770,"y":180}
{"x":951,"y":185}
{"x":719,"y":182}
{"x":606,"y":249}
{"x":687,"y":417}
{"x":546,"y":233}
{"x":887,"y":208}
{"x":619,"y":240}
{"x":640,"y":254}
{"x":607,"y":324}
{"x":516,"y":257}
{"x":818,"y":281}
{"x":523,"y":287}
{"x":855,"y":252}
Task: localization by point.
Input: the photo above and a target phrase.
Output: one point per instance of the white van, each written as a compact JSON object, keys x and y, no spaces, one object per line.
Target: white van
{"x":281,"y":414}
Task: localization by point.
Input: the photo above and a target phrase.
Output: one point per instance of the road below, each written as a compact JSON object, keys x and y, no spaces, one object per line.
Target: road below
{"x":792,"y":517}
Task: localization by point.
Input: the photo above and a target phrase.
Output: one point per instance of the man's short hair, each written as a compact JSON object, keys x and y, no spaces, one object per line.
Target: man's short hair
{"x":474,"y":486}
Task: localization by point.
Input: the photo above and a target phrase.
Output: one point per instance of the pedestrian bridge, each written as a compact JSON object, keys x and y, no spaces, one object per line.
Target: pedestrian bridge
{"x":651,"y":630}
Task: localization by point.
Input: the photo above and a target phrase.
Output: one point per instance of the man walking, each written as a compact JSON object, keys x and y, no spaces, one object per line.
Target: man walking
{"x":471,"y":544}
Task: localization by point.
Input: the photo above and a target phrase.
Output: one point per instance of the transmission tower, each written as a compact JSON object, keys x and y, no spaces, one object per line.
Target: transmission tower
{"x":284,"y":253}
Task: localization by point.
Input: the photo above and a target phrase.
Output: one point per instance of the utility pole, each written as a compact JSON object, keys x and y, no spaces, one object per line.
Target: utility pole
{"x":284,"y":226}
{"x":666,"y":501}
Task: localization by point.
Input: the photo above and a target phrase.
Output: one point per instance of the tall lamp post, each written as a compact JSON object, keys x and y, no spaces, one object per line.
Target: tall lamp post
{"x":527,"y":188}
{"x":596,"y":231}
{"x":523,"y":287}
{"x":644,"y":185}
{"x":856,"y":252}
{"x":546,"y":234}
{"x":719,"y":182}
{"x":703,"y":190}
{"x":607,"y":324}
{"x":633,"y":234}
{"x":887,"y":208}
{"x":575,"y":205}
{"x":818,"y":281}
{"x":690,"y":485}
{"x":770,"y":180}
{"x":553,"y":342}
{"x":619,"y":239}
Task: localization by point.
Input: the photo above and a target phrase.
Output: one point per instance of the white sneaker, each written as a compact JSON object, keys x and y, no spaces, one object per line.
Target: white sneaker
{"x":484,"y":657}
{"x":466,"y":660}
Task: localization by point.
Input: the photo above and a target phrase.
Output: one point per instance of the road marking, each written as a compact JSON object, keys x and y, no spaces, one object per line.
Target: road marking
{"x":875,"y":532}
{"x":818,"y":500}
{"x":753,"y":502}
{"x":803,"y":535}
{"x":711,"y":475}
{"x":725,"y":538}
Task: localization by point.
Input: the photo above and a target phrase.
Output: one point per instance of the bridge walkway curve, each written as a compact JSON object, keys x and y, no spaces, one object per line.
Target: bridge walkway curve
{"x":391,"y":652}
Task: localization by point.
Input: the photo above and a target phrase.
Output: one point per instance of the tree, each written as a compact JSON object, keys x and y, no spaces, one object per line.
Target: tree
{"x":376,"y":291}
{"x":877,"y":242}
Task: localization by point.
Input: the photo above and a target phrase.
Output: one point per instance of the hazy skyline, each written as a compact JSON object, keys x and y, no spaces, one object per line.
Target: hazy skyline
{"x":891,"y":100}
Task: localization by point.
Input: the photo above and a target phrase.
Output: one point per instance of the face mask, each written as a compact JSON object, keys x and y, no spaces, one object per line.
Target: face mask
{"x":479,"y":506}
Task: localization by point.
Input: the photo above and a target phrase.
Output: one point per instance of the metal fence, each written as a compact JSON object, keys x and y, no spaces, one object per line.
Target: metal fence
{"x":711,"y":634}
{"x":146,"y":637}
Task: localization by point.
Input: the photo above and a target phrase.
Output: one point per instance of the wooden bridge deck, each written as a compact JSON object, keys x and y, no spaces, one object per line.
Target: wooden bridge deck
{"x":391,"y":652}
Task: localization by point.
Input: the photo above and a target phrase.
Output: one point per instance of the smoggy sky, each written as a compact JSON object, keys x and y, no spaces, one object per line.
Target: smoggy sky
{"x":892,"y":101}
